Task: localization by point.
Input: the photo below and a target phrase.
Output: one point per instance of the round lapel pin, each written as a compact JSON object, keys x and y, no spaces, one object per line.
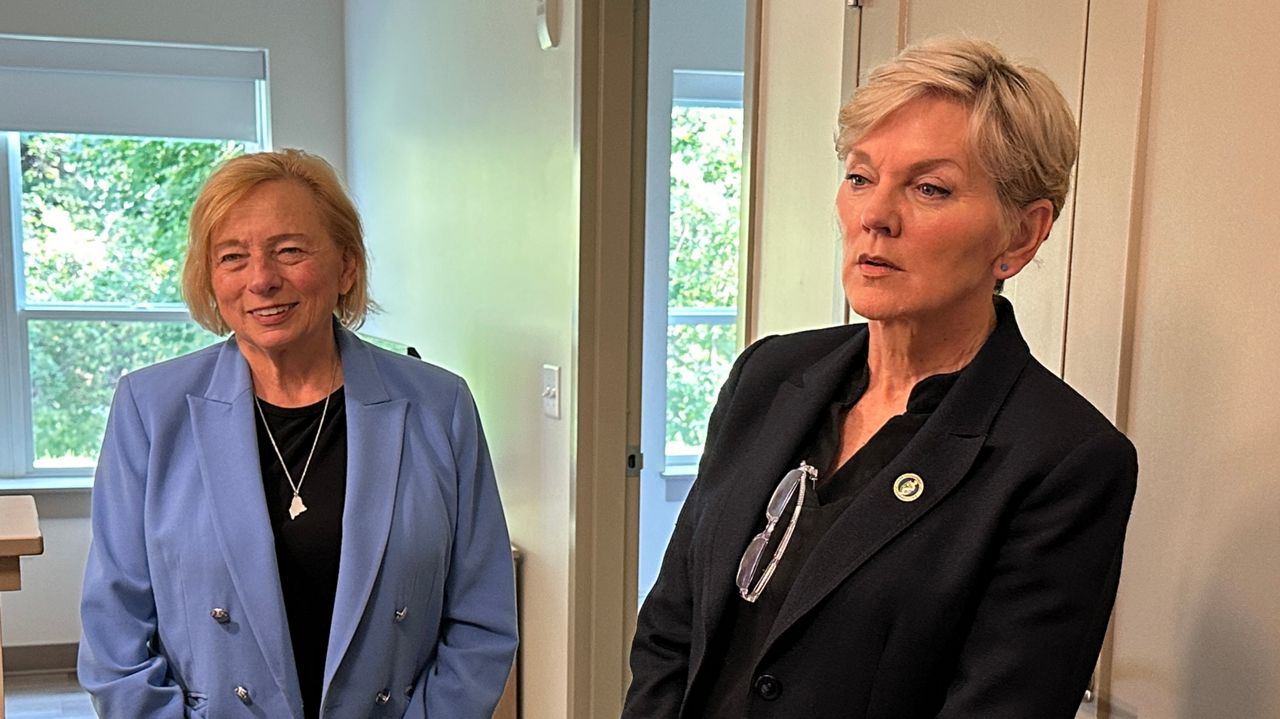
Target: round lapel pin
{"x":908,"y":487}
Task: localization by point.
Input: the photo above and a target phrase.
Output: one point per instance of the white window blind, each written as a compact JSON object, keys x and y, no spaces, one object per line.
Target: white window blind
{"x":102,"y":87}
{"x":706,"y":88}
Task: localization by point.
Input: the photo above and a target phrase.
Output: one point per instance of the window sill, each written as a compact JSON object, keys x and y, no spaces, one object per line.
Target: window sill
{"x":46,"y":484}
{"x":680,"y":471}
{"x":677,"y":480}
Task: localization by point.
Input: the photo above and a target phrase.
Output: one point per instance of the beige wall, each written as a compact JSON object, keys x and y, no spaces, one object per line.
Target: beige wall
{"x":1198,"y":620}
{"x":1039,"y":291}
{"x":305,"y":55}
{"x":462,"y":158}
{"x":797,"y":237}
{"x":796,"y":240}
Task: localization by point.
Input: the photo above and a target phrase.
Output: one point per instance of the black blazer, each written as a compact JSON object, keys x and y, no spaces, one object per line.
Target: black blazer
{"x":988,"y":596}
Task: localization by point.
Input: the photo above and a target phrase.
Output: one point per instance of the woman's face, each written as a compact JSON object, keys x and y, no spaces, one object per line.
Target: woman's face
{"x":923,"y":229}
{"x":277,"y":273}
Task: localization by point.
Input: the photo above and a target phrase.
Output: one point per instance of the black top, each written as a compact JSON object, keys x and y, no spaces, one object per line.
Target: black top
{"x":745,"y":626}
{"x":307,"y":548}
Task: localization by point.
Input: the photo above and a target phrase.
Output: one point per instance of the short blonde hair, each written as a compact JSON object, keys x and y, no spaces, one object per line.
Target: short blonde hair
{"x":1020,"y":127}
{"x":229,"y":184}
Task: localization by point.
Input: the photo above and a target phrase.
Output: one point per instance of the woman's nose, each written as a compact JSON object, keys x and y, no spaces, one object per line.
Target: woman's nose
{"x":880,"y":213}
{"x":264,"y":278}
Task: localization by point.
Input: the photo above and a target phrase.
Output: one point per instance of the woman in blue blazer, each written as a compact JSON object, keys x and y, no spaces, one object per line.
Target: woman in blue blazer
{"x":294,"y":523}
{"x":909,"y":518}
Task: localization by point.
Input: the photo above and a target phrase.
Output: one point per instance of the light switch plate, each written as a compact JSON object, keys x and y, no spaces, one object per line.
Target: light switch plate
{"x":551,"y":391}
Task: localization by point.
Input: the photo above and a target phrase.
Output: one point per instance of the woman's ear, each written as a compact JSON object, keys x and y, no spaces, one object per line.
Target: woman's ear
{"x":1034,"y":221}
{"x":349,"y":267}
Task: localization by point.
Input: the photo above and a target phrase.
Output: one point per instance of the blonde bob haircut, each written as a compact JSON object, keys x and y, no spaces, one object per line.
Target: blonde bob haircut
{"x":229,"y":184}
{"x":1020,"y":127}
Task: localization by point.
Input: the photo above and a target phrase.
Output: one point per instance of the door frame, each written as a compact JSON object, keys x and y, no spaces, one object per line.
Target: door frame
{"x":611,"y":71}
{"x":611,"y":74}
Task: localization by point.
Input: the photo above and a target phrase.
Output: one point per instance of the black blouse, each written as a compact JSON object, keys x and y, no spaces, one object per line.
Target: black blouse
{"x":307,"y":548}
{"x":745,"y":626}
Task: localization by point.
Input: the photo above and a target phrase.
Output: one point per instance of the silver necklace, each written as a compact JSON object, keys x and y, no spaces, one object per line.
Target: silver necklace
{"x":296,"y":506}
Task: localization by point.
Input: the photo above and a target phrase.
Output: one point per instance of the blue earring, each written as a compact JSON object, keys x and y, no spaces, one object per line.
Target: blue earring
{"x":1004,"y":267}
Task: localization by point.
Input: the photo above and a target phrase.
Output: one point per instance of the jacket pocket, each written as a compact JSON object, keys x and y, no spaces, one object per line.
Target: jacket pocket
{"x":197,"y":704}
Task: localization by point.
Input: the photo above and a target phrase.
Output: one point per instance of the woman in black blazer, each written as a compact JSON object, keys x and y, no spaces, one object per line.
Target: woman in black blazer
{"x":910,"y":517}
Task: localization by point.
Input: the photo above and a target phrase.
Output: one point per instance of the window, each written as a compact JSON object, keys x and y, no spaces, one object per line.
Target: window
{"x":99,"y":166}
{"x":692,"y":238}
{"x":702,"y":264}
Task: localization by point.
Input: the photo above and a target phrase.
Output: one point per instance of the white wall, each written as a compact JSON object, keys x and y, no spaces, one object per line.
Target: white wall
{"x":463,"y":160}
{"x":304,"y":41}
{"x":47,"y":609}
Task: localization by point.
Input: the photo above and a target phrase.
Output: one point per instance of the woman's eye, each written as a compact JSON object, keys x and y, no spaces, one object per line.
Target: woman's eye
{"x":229,"y":257}
{"x":930,"y":190}
{"x":856,"y":180}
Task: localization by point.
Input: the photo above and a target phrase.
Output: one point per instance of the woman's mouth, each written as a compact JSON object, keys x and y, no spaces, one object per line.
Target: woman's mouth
{"x":876,"y":266}
{"x":272,"y":312}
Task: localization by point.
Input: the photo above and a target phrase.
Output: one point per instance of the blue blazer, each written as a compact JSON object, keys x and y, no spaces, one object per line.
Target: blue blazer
{"x":424,"y":623}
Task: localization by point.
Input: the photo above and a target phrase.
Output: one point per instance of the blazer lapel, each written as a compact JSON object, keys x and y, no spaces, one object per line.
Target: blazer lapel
{"x":796,"y":406}
{"x":375,"y":438}
{"x":941,"y":454}
{"x":226,"y":436}
{"x":876,"y":516}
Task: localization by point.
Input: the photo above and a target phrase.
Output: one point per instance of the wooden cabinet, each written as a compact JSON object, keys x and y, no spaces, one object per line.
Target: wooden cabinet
{"x":19,"y":537}
{"x":509,"y":704}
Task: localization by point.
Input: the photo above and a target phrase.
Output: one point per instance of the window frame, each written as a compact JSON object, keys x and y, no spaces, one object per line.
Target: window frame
{"x":13,"y":337}
{"x":131,"y":62}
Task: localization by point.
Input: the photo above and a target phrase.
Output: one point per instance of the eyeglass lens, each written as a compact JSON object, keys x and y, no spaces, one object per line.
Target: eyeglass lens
{"x":773,"y":512}
{"x":782,"y":494}
{"x":751,"y":560}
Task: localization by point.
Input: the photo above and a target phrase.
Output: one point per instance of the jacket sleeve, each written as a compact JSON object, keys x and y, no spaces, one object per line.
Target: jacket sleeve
{"x":478,"y":627}
{"x":119,"y":664}
{"x":661,"y":647}
{"x":1038,"y":629}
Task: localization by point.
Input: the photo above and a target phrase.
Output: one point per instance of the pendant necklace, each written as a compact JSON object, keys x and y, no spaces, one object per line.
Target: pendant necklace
{"x":296,"y":506}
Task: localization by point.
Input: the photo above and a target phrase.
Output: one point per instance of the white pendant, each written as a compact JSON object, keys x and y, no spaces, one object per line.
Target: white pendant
{"x":296,"y":507}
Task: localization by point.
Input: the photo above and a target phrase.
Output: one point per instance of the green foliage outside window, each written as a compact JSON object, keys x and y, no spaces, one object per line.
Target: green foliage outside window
{"x":104,"y":220}
{"x":706,"y":177}
{"x":698,"y":360}
{"x":706,"y":172}
{"x":74,"y":369}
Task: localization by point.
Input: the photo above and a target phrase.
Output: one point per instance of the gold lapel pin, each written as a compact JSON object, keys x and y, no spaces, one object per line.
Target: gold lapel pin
{"x":908,"y":487}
